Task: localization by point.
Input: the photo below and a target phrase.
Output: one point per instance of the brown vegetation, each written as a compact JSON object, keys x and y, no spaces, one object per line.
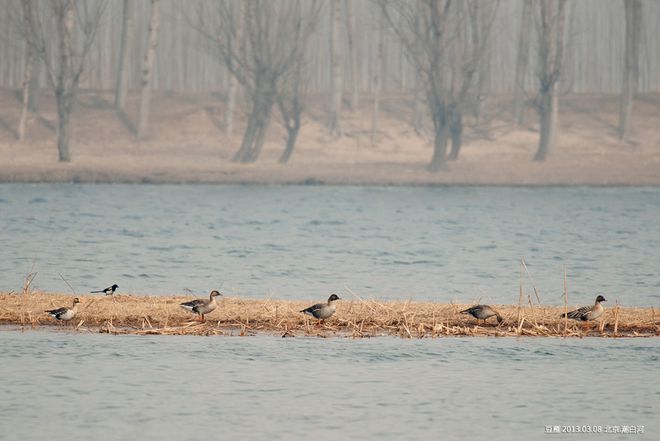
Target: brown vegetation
{"x":128,"y":314}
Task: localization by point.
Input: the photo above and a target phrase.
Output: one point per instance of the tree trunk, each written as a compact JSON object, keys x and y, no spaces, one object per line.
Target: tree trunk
{"x":521,"y":63}
{"x":64,"y":103}
{"x":483,"y":51}
{"x":124,"y":52}
{"x":439,"y":113}
{"x":248,"y":139}
{"x":257,"y":125}
{"x":29,"y":62}
{"x":233,"y":82}
{"x":65,"y":87}
{"x":27,"y":77}
{"x":439,"y":160}
{"x":456,"y":129}
{"x":484,"y":73}
{"x":292,"y":136}
{"x":548,"y":123}
{"x":260,"y":136}
{"x":551,"y":49}
{"x":147,"y":71}
{"x":378,"y":84}
{"x":255,"y":135}
{"x":418,"y":107}
{"x":633,"y":10}
{"x":34,"y":89}
{"x":336,"y":64}
{"x":352,"y":48}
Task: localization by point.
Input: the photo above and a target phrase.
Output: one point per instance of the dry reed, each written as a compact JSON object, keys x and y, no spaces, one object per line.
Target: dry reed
{"x":129,"y":314}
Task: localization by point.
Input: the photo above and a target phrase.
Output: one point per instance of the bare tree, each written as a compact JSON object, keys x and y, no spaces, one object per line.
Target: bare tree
{"x":352,"y":52}
{"x":35,"y":86}
{"x":271,"y":54}
{"x":337,"y":63}
{"x":483,"y":73}
{"x":473,"y":20}
{"x":147,"y":70}
{"x":633,"y":9}
{"x":237,"y":42}
{"x":292,"y":87}
{"x":378,"y":82}
{"x":522,"y":59}
{"x":290,"y":101}
{"x":418,"y":105}
{"x":444,"y":42}
{"x":124,"y":51}
{"x":65,"y":60}
{"x":551,"y":49}
{"x":422,"y":28}
{"x":28,"y":24}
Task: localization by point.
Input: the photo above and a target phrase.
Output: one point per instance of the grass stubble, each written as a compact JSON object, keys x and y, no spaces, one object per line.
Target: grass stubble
{"x":356,"y":317}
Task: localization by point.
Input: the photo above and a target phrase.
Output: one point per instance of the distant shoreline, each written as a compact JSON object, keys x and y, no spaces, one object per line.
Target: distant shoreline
{"x":162,"y":315}
{"x":319,"y":175}
{"x":186,"y":146}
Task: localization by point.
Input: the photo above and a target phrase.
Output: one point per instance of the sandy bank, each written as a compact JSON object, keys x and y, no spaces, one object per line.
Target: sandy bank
{"x":188,"y":145}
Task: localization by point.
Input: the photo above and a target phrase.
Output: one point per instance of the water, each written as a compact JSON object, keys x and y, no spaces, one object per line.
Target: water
{"x":439,"y":244}
{"x":61,"y":386}
{"x":436,"y":244}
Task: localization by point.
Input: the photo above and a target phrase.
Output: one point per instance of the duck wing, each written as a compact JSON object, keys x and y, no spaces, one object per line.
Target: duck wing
{"x":57,"y":312}
{"x":191,"y":305}
{"x":472,"y":310}
{"x":578,"y":314}
{"x":312,"y":309}
{"x":480,"y":312}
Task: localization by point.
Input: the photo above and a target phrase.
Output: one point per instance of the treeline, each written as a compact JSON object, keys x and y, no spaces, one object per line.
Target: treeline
{"x":450,"y":55}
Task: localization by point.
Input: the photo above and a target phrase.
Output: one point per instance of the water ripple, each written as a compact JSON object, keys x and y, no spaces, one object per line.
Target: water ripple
{"x":433,"y":244}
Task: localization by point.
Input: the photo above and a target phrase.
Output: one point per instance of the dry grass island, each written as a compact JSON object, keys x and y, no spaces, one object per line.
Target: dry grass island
{"x":156,"y":315}
{"x":187,"y":144}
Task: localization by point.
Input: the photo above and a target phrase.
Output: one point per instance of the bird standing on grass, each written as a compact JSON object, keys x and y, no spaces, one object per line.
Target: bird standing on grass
{"x":201,"y":306}
{"x":110,"y":290}
{"x":483,"y":312}
{"x":587,"y":313}
{"x":64,"y":313}
{"x":322,"y":311}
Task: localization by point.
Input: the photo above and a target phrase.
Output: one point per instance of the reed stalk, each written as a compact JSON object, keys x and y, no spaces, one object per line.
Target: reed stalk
{"x":565,"y":302}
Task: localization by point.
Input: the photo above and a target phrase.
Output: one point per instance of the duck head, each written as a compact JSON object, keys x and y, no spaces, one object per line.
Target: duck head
{"x":333,"y":297}
{"x":76,"y":300}
{"x":215,"y":293}
{"x":600,"y":299}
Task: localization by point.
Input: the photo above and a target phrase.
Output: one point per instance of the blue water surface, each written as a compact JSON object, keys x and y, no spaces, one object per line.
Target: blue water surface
{"x":442,"y":244}
{"x":62,"y":386}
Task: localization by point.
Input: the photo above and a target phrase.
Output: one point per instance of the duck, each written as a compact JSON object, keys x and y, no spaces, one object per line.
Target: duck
{"x":483,"y":312}
{"x":323,"y":311}
{"x":110,"y":290}
{"x":201,"y":306}
{"x":64,"y":313}
{"x":587,"y":313}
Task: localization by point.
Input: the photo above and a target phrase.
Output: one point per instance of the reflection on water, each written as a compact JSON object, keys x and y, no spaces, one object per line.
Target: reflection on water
{"x":60,"y":386}
{"x":440,"y":244}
